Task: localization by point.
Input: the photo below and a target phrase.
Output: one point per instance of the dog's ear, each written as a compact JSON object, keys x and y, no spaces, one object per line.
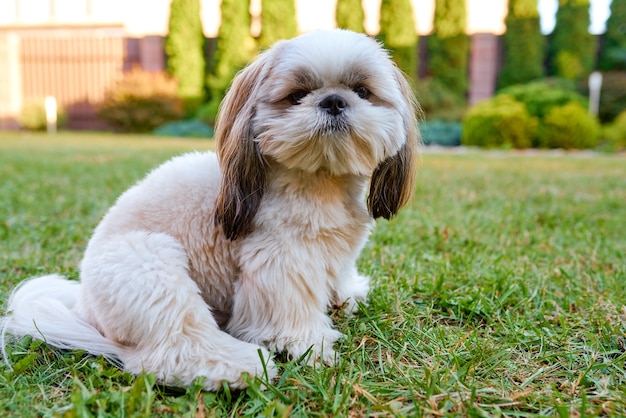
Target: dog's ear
{"x":393,"y":181}
{"x":242,"y":165}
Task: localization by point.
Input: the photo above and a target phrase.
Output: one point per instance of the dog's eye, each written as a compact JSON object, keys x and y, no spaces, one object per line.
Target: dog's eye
{"x":362,"y":92}
{"x":296,"y":97}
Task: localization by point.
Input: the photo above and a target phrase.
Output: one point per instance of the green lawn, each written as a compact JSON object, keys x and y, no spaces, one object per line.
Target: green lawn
{"x":500,"y":291}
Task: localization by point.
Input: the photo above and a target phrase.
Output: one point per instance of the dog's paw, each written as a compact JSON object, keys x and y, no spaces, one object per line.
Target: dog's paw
{"x":235,"y":363}
{"x":352,"y":292}
{"x":315,"y":350}
{"x":254,"y":363}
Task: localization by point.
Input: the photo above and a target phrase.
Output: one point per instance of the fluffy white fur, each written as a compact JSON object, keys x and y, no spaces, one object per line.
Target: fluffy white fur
{"x":212,"y":260}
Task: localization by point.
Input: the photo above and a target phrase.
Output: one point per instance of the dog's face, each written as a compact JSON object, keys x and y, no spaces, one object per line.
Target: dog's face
{"x":328,"y":101}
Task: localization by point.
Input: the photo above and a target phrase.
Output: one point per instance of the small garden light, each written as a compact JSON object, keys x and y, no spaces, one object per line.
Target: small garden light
{"x":595,"y":84}
{"x":50,"y":104}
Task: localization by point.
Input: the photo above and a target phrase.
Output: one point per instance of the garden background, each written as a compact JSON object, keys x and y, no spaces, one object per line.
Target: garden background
{"x":505,"y":84}
{"x":498,"y":291}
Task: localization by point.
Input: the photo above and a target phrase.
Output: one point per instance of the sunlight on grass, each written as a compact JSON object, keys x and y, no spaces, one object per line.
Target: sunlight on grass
{"x":498,"y":291}
{"x":95,"y":141}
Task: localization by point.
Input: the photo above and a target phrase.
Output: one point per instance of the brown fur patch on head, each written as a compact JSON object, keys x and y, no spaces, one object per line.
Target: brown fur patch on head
{"x":393,"y":181}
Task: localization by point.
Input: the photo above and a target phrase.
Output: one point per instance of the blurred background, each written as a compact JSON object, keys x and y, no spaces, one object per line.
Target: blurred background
{"x":491,"y":73}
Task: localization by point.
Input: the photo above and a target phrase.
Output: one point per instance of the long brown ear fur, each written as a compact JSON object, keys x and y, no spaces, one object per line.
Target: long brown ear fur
{"x":243,"y":167}
{"x":393,"y":181}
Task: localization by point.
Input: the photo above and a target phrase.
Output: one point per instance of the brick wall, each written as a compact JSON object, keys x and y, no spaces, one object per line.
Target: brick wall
{"x":483,"y":66}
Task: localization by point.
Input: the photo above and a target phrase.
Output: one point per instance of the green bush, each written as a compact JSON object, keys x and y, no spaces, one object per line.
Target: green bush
{"x":439,"y":102}
{"x":141,"y":101}
{"x":569,"y":127}
{"x":614,"y":134}
{"x":33,"y":116}
{"x":207,"y":113}
{"x":437,"y":132}
{"x":499,"y":122}
{"x":541,"y":96}
{"x":545,"y":114}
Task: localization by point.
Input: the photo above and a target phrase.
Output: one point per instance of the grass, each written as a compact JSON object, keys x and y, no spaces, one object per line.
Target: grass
{"x":500,"y":291}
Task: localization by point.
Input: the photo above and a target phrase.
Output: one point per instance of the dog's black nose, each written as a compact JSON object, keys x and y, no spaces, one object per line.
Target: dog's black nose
{"x":333,"y":104}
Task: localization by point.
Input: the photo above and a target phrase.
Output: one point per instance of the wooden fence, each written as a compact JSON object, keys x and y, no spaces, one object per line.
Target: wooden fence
{"x":77,"y":71}
{"x":77,"y":67}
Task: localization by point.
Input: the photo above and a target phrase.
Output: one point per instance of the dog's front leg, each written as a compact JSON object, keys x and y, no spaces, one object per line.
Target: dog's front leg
{"x":280,"y":302}
{"x":351,"y":289}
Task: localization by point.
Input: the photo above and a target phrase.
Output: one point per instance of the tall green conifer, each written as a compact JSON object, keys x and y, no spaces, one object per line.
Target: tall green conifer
{"x":613,"y":55}
{"x":235,"y":48}
{"x":278,"y":21}
{"x":349,"y":15}
{"x":184,"y":47}
{"x":397,"y":32}
{"x":523,"y":44}
{"x":448,"y":46}
{"x":572,"y":47}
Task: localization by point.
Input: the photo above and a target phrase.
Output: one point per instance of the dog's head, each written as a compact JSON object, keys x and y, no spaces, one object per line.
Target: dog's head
{"x":327,"y":100}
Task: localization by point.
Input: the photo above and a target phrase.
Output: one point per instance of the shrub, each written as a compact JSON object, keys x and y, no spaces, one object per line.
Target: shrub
{"x":437,"y":132}
{"x":555,"y":117}
{"x":541,"y":96}
{"x":192,"y":128}
{"x":33,"y":116}
{"x":141,"y":101}
{"x":499,"y":122}
{"x":438,"y":101}
{"x":207,"y":113}
{"x":569,"y":127}
{"x":615,"y":133}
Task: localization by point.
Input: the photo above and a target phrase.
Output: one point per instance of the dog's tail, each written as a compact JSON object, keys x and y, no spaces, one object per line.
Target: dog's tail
{"x":45,"y":308}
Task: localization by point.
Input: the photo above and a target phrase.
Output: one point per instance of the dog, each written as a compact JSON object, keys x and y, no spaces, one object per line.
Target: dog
{"x":216,"y":260}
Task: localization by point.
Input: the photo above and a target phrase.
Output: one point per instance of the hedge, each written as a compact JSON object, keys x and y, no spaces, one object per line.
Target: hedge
{"x":499,"y":122}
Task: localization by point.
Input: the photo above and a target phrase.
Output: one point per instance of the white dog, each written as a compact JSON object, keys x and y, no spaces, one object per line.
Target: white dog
{"x":212,"y":260}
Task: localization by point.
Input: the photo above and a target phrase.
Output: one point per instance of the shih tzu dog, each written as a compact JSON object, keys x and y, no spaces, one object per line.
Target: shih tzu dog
{"x":215,"y":260}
